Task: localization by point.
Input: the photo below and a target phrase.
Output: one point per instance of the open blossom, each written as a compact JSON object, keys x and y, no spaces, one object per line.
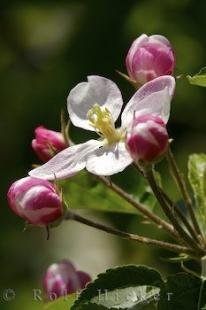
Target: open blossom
{"x":150,"y":57}
{"x":62,"y":279}
{"x":148,"y":138}
{"x":47,"y":143}
{"x":35,"y":200}
{"x":96,"y":105}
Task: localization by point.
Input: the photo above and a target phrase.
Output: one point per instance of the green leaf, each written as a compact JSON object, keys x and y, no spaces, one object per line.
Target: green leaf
{"x":84,"y":192}
{"x":128,"y":298}
{"x":182,"y":291}
{"x":198,"y":79}
{"x":62,"y":303}
{"x":197,"y":178}
{"x":129,"y":287}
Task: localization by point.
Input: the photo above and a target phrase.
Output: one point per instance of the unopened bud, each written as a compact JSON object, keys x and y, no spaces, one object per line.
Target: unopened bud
{"x":62,"y":278}
{"x":148,"y":138}
{"x":35,"y":200}
{"x":150,"y":57}
{"x":47,"y":143}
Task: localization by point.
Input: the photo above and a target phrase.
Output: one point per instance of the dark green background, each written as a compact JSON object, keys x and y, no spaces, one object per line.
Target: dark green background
{"x":46,"y":48}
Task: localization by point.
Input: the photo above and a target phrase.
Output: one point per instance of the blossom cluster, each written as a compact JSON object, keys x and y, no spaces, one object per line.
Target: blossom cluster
{"x":96,"y":105}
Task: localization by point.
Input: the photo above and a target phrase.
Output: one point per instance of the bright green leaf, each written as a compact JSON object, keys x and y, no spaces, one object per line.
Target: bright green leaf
{"x":198,"y":79}
{"x":84,"y":192}
{"x":62,"y":303}
{"x":197,"y":178}
{"x":129,"y":287}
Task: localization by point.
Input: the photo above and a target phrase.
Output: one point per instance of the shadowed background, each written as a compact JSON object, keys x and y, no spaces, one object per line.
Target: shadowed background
{"x":46,"y":48}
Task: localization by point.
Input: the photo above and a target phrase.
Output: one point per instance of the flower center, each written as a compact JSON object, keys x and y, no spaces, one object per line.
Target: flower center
{"x":101,"y":119}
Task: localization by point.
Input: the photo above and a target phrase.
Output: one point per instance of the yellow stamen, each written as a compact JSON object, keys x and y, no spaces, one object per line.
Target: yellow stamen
{"x":101,"y":119}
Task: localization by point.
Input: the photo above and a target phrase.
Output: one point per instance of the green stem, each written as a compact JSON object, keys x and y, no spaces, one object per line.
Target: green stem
{"x":179,"y":179}
{"x":181,"y":216}
{"x":168,"y":212}
{"x":70,"y":215}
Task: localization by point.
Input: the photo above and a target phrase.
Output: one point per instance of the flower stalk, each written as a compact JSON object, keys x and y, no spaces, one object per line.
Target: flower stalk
{"x":70,"y":215}
{"x":179,"y":179}
{"x":181,"y":216}
{"x":187,"y":239}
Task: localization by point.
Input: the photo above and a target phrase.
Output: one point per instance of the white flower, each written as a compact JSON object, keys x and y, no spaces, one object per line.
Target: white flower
{"x":96,"y":105}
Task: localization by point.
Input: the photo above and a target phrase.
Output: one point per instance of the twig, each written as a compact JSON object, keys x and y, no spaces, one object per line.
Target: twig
{"x":168,"y":211}
{"x":176,"y":209}
{"x":70,"y":215}
{"x":181,"y":216}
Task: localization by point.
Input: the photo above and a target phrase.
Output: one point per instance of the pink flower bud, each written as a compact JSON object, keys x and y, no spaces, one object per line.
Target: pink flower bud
{"x":35,"y":200}
{"x":150,"y":57}
{"x":47,"y":143}
{"x":148,"y":138}
{"x":62,"y":279}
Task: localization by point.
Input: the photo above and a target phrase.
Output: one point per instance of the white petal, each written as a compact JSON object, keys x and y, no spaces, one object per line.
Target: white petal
{"x":97,"y":90}
{"x":66,"y":163}
{"x":161,"y":39}
{"x":153,"y":97}
{"x":109,"y":160}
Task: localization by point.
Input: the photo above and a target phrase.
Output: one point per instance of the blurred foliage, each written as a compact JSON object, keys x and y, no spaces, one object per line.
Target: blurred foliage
{"x":46,"y":47}
{"x":96,"y":196}
{"x":61,"y":303}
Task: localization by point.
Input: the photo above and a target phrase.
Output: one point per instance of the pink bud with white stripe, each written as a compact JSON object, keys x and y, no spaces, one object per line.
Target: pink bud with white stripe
{"x":148,"y":139}
{"x":47,"y":143}
{"x":62,"y":279}
{"x":150,"y":57}
{"x":35,"y":200}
